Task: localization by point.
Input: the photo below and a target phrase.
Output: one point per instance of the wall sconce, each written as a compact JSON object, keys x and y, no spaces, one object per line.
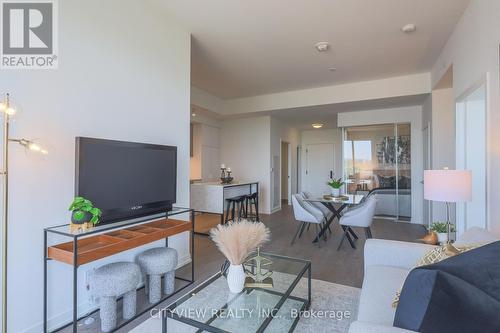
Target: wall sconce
{"x":8,"y":111}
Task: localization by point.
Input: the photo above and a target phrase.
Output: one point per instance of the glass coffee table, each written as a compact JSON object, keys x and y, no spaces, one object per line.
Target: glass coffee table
{"x":210,"y":307}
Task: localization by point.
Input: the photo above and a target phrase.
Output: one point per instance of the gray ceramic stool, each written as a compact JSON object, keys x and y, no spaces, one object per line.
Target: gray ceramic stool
{"x":111,"y":281}
{"x":155,"y":263}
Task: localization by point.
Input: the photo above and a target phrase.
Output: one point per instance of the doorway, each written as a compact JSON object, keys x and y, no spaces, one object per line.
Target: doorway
{"x":285,"y":173}
{"x":471,"y":133}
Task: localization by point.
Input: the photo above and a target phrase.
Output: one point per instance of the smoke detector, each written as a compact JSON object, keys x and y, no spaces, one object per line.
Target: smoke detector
{"x":409,"y":28}
{"x":322,"y":46}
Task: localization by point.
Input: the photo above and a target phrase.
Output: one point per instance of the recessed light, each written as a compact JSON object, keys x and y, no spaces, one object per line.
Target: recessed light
{"x":193,"y":114}
{"x":317,"y":125}
{"x":322,"y":46}
{"x":409,"y":28}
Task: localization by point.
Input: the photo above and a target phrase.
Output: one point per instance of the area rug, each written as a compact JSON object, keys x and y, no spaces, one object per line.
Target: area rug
{"x":333,"y":308}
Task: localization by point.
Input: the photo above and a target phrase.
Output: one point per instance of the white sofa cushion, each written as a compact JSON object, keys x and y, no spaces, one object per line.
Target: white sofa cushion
{"x":380,"y":285}
{"x":476,"y":235}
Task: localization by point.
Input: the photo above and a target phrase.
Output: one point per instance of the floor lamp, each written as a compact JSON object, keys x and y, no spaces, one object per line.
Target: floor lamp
{"x":448,"y":186}
{"x":8,"y":110}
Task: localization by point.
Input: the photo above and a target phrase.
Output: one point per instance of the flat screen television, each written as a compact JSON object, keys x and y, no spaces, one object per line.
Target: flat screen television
{"x":126,"y":180}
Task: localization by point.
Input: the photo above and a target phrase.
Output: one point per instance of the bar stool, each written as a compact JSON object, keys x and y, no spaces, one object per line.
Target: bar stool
{"x":252,"y":200}
{"x":232,"y":204}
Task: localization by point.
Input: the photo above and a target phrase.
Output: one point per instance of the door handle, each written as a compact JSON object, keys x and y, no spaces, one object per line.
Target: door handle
{"x":331,"y":174}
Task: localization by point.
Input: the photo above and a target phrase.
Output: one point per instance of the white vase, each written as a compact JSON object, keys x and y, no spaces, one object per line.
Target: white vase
{"x":236,"y":278}
{"x":335,"y":192}
{"x":442,"y":237}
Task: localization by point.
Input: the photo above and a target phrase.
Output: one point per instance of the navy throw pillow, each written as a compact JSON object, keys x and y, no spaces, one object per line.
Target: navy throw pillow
{"x":458,"y":294}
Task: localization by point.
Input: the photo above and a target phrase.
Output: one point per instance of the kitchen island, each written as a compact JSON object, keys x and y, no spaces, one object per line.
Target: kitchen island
{"x":210,"y":197}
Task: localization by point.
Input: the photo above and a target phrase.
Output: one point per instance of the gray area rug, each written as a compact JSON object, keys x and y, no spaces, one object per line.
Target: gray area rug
{"x":333,"y":308}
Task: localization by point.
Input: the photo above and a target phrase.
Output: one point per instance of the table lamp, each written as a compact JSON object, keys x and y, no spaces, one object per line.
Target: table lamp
{"x":448,"y":186}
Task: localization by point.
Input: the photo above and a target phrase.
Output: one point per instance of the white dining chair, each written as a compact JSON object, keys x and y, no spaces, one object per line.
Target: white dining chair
{"x":326,"y":212}
{"x":361,"y":217}
{"x":307,"y":214}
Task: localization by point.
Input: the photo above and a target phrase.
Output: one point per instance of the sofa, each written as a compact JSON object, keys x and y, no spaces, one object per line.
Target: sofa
{"x":386,"y":266}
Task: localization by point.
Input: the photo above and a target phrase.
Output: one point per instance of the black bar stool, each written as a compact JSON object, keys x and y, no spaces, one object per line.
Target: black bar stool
{"x":252,"y":200}
{"x":231,"y":205}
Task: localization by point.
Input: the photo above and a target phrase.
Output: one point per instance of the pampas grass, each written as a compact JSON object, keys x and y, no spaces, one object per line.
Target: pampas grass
{"x":237,"y":240}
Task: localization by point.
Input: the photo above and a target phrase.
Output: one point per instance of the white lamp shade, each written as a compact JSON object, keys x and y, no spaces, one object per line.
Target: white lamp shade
{"x":448,"y":185}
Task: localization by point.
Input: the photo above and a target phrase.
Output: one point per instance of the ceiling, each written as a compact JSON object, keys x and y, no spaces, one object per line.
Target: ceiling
{"x":246,"y":48}
{"x":303,"y":118}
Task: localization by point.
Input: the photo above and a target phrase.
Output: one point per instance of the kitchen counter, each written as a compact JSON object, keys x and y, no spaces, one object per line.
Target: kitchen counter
{"x":210,"y":197}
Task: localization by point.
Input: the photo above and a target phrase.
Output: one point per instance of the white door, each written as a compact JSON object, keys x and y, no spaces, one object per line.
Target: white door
{"x":471,"y":155}
{"x":320,"y":161}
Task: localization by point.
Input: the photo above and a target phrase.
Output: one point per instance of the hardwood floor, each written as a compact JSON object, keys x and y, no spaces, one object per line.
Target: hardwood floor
{"x":344,"y":266}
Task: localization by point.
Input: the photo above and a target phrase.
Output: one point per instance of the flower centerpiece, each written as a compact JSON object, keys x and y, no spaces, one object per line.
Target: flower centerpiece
{"x":336,"y":184}
{"x":236,"y":241}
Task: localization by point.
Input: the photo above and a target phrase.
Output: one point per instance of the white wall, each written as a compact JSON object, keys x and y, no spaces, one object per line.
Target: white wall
{"x":205,"y":100}
{"x":205,"y":162}
{"x":443,"y":141}
{"x":412,"y":115}
{"x":245,"y":147}
{"x":115,"y":80}
{"x":319,"y":136}
{"x":195,"y":160}
{"x":473,"y":51}
{"x":280,"y":131}
{"x":427,"y":151}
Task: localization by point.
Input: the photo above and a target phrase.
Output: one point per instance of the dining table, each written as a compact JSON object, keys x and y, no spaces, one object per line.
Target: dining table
{"x":336,"y":205}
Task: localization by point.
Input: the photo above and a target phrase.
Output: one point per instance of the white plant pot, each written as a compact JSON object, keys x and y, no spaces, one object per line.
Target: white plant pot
{"x":442,"y":237}
{"x":236,"y":278}
{"x":335,"y":192}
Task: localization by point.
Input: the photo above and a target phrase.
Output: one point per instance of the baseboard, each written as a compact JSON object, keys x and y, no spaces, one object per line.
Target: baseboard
{"x":274,"y":210}
{"x":86,"y":307}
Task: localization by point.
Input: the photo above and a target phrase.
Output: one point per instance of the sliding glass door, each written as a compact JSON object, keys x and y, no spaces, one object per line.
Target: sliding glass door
{"x":377,"y":161}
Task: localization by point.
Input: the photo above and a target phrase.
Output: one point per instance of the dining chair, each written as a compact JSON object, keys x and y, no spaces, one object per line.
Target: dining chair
{"x":326,"y":212}
{"x":306,"y":214}
{"x":361,"y":217}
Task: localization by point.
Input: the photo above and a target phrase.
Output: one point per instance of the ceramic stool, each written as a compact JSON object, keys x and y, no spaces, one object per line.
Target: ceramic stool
{"x":155,"y":263}
{"x":110,"y":281}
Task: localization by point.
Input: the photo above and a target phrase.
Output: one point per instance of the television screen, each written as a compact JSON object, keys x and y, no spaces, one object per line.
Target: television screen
{"x":126,"y":179}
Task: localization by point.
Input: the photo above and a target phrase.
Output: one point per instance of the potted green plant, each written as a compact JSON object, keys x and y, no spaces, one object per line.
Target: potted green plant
{"x":441,"y":230}
{"x":84,"y":212}
{"x":336,"y":184}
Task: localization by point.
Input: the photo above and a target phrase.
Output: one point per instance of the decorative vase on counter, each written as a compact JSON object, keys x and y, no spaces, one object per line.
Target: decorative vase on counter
{"x":335,"y":192}
{"x":236,"y":278}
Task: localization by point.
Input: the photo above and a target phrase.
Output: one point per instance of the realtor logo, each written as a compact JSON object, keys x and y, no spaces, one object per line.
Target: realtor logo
{"x":29,"y":39}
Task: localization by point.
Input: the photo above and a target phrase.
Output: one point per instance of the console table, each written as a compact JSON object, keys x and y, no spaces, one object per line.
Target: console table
{"x":103,"y":241}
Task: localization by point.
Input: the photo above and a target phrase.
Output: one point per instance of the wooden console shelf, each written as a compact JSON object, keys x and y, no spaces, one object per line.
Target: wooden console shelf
{"x":103,"y":245}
